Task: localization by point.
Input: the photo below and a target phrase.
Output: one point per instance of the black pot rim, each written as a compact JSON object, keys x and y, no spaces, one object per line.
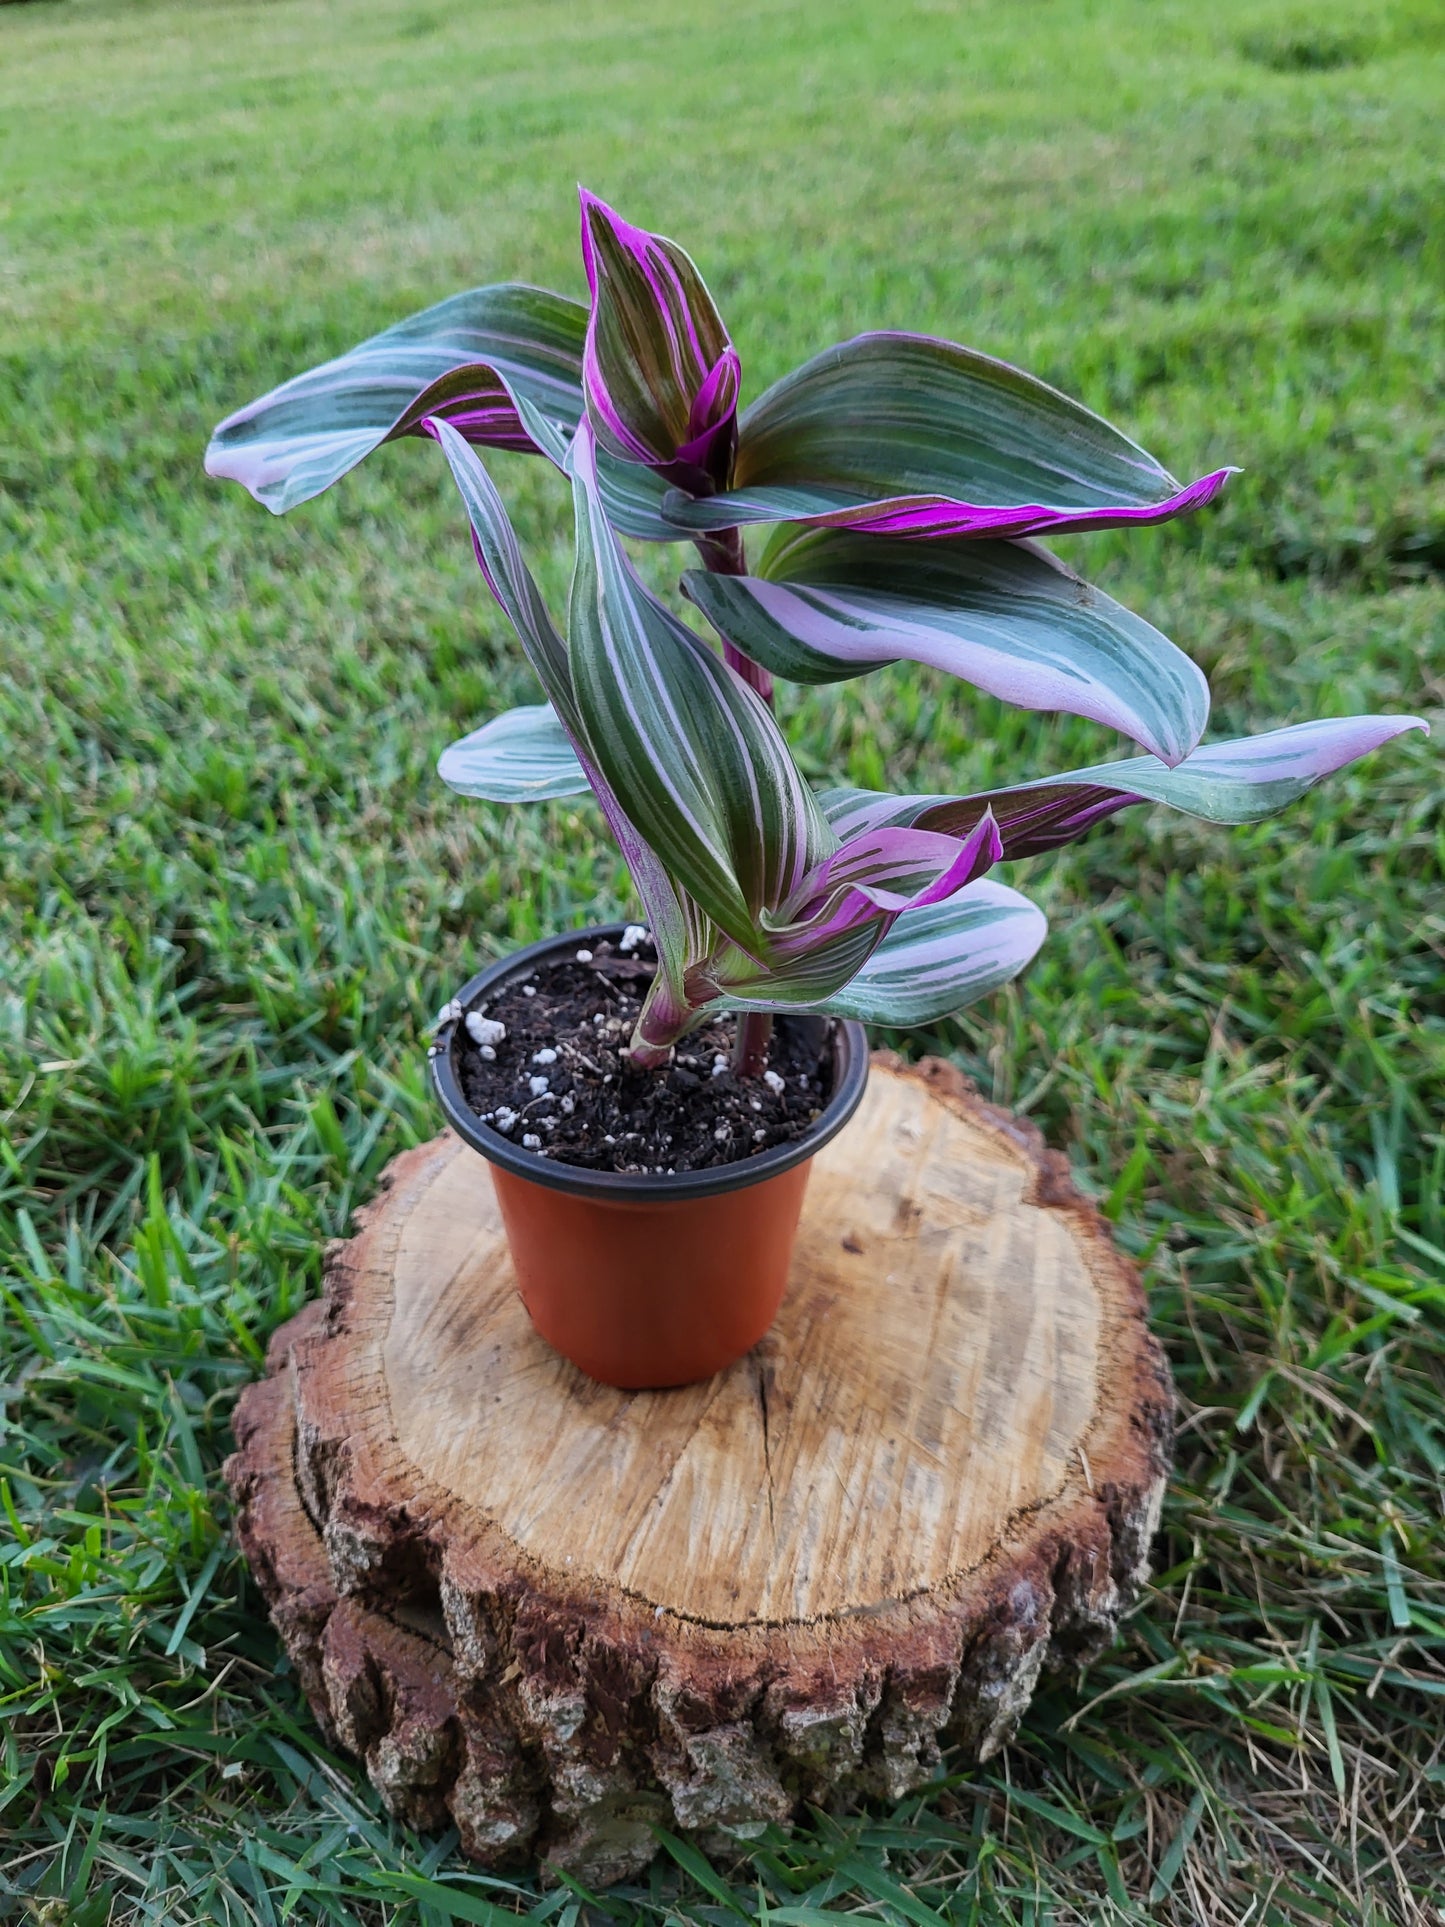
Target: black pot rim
{"x":850,"y":1074}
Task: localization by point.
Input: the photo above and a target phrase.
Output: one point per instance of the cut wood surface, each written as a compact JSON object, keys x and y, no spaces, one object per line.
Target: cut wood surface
{"x":561,"y":1615}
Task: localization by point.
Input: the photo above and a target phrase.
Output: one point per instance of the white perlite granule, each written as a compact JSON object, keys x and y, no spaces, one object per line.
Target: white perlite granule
{"x":538,"y":1086}
{"x":774,"y":1082}
{"x":486,"y":1053}
{"x":531,"y":1142}
{"x":449,"y":1013}
{"x":544,"y":1056}
{"x":505,"y":1119}
{"x":484,"y":1030}
{"x":634,"y":934}
{"x":584,"y":956}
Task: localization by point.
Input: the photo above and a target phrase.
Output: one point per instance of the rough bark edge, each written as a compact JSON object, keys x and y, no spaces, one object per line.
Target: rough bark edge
{"x":391,"y":1694}
{"x":610,"y":1716}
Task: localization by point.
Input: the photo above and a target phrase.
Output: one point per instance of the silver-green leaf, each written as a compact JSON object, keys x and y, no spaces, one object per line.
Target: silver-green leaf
{"x":523,"y":756}
{"x":1005,"y":616}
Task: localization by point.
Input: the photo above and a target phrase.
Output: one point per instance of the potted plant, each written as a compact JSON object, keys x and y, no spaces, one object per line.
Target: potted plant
{"x":648,"y":1096}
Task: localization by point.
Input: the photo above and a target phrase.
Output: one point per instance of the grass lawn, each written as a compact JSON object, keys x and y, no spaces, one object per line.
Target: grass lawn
{"x":234,"y":892}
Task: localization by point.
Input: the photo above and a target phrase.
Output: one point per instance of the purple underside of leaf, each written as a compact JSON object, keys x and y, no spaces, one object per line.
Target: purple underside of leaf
{"x":910,"y":435}
{"x":489,"y":421}
{"x":1239,"y":781}
{"x":1055,"y":820}
{"x":890,"y":869}
{"x":476,"y":402}
{"x":862,"y":890}
{"x":1030,"y":823}
{"x":924,"y":517}
{"x":1005,"y":616}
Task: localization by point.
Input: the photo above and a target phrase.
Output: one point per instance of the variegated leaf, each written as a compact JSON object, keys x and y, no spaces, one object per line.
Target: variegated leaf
{"x":872,"y":879}
{"x":736,"y":980}
{"x":468,"y":360}
{"x":679,"y":928}
{"x":686,"y":746}
{"x":1238,"y":781}
{"x":523,"y":756}
{"x":842,"y":912}
{"x":660,"y":374}
{"x":941,"y":958}
{"x":499,"y":556}
{"x":1005,"y":616}
{"x":902,"y":434}
{"x":632,"y":495}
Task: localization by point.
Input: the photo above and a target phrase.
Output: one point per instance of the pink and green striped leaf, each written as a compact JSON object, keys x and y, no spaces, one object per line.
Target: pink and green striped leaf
{"x":804,"y":982}
{"x":842,"y":911}
{"x":903,"y":434}
{"x":1238,"y":781}
{"x":687,"y":748}
{"x":499,"y":556}
{"x":903,"y":970}
{"x":679,"y":928}
{"x":633,"y":495}
{"x":875,"y":876}
{"x":1006,"y":616}
{"x":469,"y":360}
{"x":660,"y":374}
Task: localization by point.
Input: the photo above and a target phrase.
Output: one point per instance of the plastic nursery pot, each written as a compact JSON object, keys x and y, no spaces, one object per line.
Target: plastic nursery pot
{"x":645,"y":1282}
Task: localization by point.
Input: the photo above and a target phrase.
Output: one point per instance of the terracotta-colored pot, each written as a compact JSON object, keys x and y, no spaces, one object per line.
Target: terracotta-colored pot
{"x":657,"y":1280}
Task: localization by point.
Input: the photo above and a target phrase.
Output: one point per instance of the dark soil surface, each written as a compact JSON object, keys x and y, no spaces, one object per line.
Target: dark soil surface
{"x":583,"y":1104}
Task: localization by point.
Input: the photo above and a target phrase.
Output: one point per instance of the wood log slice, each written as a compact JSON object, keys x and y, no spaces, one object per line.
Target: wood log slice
{"x":560,"y":1615}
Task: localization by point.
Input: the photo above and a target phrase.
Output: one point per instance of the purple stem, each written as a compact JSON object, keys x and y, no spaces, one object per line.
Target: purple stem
{"x":722,"y":554}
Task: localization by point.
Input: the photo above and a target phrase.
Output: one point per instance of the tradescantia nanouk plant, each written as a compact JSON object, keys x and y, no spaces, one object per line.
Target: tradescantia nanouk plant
{"x":908,"y":479}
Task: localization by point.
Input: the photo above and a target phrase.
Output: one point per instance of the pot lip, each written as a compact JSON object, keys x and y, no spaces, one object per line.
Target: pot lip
{"x":850,"y":1048}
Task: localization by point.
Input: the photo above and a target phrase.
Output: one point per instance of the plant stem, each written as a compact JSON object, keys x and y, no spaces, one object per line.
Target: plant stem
{"x":750,"y":1046}
{"x":723,"y":554}
{"x":660,"y":1023}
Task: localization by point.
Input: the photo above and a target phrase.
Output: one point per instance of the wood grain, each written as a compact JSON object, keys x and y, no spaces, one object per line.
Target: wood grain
{"x":938,"y":1472}
{"x":931,"y":1374}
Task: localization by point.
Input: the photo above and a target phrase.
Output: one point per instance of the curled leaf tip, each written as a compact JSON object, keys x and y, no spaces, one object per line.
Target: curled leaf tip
{"x":660,"y":374}
{"x":494,"y":362}
{"x":993,"y":840}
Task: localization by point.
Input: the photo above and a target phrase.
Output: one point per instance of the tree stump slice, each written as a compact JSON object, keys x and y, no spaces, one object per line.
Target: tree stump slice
{"x":559,"y":1615}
